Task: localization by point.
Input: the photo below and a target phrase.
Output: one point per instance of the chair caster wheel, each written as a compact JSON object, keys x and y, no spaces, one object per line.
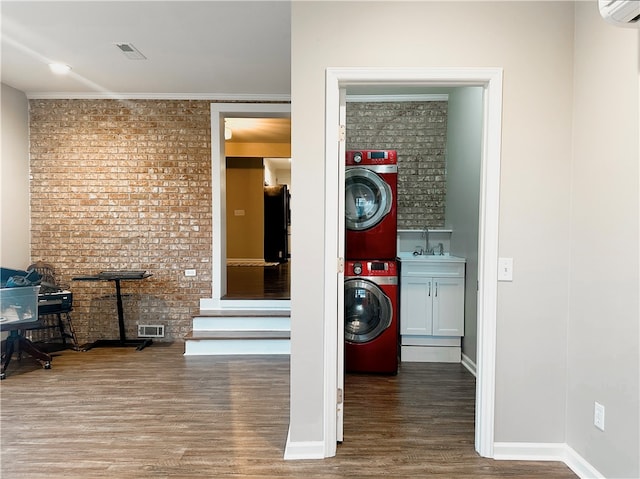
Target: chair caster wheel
{"x":47,"y":365}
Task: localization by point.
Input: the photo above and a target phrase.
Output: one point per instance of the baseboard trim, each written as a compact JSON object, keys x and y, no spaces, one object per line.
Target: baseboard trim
{"x":469,"y":364}
{"x":297,"y":450}
{"x":561,"y":452}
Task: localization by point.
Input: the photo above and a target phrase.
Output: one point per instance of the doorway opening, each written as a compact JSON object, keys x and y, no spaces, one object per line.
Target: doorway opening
{"x":338,"y":81}
{"x":249,"y":113}
{"x":258,"y":227}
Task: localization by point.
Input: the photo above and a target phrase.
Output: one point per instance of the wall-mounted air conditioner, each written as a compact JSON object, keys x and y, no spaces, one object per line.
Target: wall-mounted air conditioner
{"x":624,"y":13}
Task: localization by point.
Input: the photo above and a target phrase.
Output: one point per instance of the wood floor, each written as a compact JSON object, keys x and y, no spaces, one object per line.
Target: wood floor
{"x":121,"y":413}
{"x":259,"y":282}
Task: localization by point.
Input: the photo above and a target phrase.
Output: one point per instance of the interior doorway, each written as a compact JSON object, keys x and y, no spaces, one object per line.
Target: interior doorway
{"x":220,"y":112}
{"x":258,"y":223}
{"x":338,"y":80}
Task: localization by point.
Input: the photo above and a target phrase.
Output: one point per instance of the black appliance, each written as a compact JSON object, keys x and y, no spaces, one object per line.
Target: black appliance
{"x":276,"y":223}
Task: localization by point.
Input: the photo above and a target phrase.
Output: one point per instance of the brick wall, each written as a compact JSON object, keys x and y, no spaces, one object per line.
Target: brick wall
{"x":418,"y":131}
{"x":124,"y":185}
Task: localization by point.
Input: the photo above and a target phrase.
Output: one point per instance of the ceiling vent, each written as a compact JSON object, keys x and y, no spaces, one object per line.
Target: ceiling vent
{"x":131,"y":52}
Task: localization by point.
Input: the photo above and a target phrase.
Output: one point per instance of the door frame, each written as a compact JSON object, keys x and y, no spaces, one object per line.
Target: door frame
{"x":220,"y":111}
{"x":490,"y":79}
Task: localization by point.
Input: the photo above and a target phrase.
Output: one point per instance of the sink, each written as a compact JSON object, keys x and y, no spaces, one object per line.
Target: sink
{"x":408,"y":256}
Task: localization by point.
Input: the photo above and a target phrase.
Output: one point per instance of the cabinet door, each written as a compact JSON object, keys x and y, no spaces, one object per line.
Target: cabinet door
{"x":448,"y":307}
{"x":415,"y":305}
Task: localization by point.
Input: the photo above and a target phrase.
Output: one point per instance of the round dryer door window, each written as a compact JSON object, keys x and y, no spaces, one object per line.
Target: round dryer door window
{"x":367,"y":199}
{"x":367,"y":311}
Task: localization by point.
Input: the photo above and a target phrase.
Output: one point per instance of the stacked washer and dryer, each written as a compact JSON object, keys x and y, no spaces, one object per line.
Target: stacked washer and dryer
{"x":371,"y":271}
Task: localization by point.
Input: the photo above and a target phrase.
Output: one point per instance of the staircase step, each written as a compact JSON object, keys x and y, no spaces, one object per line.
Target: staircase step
{"x":226,"y":343}
{"x":241,"y":322}
{"x":238,"y":334}
{"x":243,"y":331}
{"x":247,"y":304}
{"x":216,"y":313}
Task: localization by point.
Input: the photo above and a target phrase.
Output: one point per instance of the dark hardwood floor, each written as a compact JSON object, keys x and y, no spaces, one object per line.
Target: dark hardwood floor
{"x":121,"y":413}
{"x":259,"y":282}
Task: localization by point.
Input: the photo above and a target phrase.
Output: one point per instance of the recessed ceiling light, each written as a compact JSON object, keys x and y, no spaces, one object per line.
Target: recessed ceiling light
{"x":59,"y":68}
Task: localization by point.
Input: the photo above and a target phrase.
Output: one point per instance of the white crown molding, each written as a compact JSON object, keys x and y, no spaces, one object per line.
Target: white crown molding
{"x":397,"y":98}
{"x":223,"y":97}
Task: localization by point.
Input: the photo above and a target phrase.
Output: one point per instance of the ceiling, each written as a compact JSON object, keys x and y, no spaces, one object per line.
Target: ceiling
{"x":223,"y":50}
{"x":195,"y":49}
{"x":259,"y":130}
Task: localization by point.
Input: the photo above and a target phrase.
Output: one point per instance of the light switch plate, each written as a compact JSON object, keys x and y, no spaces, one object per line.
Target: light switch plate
{"x":505,"y":269}
{"x":598,"y":416}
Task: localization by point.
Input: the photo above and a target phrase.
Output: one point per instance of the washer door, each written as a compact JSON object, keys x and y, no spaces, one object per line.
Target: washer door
{"x":367,"y":311}
{"x":368,"y":199}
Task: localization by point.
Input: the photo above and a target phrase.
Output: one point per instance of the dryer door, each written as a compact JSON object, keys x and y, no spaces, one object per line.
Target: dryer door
{"x":367,"y":311}
{"x":368,"y":199}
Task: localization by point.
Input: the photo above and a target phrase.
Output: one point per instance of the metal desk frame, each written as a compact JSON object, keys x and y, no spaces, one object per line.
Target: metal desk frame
{"x":116,"y":277}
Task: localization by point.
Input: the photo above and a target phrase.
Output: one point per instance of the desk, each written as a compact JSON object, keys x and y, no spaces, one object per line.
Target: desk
{"x":116,"y":277}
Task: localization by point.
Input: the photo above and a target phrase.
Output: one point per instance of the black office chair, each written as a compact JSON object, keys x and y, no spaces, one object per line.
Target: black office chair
{"x":19,"y":313}
{"x":16,"y":342}
{"x":54,"y":323}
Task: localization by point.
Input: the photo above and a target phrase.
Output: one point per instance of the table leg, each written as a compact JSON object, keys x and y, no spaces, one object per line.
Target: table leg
{"x":138,"y":343}
{"x":123,"y":337}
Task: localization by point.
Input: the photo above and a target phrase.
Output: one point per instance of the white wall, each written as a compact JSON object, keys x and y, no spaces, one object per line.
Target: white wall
{"x":536,"y":55}
{"x":603,"y":329}
{"x":464,"y":151}
{"x":15,"y":235}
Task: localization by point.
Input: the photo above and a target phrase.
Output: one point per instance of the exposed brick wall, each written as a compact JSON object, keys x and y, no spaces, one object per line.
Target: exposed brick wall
{"x":418,"y":131}
{"x":124,"y":185}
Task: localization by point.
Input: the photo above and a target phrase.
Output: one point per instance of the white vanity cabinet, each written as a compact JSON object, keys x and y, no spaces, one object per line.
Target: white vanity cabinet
{"x":431,"y":308}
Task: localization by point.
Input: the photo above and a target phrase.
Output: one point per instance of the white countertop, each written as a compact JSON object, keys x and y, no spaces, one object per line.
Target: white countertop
{"x":408,"y":256}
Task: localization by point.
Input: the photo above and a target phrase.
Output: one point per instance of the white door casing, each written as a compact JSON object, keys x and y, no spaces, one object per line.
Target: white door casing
{"x":342,"y":119}
{"x":220,"y":111}
{"x":337,"y":80}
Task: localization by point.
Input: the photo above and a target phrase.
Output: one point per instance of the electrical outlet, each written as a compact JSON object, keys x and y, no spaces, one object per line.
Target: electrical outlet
{"x":598,"y":416}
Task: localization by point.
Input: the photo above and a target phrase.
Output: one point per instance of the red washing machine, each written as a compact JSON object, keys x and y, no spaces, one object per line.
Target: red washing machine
{"x":371,"y":329}
{"x":371,"y":182}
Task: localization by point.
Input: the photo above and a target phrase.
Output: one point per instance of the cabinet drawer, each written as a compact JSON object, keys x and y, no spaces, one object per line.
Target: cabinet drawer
{"x":410,"y":269}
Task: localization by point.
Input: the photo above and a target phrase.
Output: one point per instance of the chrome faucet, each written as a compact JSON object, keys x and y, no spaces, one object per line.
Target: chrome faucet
{"x":425,"y":235}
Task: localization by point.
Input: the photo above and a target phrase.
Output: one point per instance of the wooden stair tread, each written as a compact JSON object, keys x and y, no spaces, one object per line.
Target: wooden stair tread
{"x":249,"y":335}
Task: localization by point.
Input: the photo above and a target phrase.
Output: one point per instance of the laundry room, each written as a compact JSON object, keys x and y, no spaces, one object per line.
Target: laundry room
{"x":436,"y":135}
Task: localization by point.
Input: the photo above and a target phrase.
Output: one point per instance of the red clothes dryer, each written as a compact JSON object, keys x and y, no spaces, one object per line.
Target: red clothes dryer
{"x":371,"y":181}
{"x":371,"y":328}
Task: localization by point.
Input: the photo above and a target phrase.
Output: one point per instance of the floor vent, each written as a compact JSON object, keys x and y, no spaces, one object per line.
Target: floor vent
{"x":151,"y":331}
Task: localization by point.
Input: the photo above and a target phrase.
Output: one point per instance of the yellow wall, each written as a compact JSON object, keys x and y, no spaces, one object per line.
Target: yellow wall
{"x":263,"y":150}
{"x":245,"y":208}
